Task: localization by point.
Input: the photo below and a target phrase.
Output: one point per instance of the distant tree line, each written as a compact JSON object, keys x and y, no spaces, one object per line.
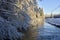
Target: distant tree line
{"x":57,"y":16}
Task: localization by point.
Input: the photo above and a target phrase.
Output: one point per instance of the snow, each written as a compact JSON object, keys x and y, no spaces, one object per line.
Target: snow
{"x":55,"y":21}
{"x":48,"y":32}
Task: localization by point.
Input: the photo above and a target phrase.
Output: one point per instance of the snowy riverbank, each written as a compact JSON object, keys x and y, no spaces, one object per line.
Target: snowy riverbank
{"x":54,"y":21}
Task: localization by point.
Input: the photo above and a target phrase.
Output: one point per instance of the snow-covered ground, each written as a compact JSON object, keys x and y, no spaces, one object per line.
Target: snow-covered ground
{"x":49,"y":32}
{"x":55,"y":21}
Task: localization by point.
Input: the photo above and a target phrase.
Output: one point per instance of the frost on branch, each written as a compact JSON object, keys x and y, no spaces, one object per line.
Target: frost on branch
{"x":8,"y":32}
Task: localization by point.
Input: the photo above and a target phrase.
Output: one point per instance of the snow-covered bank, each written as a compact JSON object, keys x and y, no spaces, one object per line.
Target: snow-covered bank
{"x":53,"y":21}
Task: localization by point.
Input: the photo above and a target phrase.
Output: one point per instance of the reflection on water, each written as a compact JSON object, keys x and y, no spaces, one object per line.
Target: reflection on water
{"x":49,"y":32}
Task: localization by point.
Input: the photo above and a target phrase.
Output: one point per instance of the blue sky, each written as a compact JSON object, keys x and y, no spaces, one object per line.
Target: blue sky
{"x":50,"y":5}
